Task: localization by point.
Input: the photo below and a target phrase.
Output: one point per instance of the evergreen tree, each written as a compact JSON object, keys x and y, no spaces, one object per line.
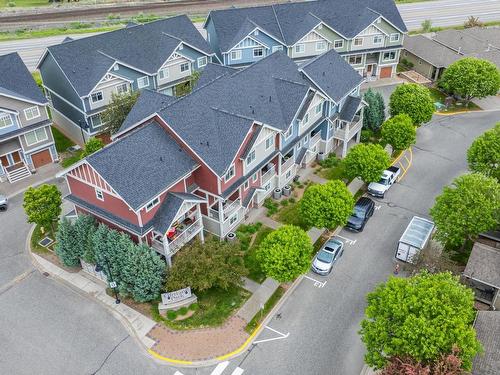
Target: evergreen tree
{"x":67,"y":247}
{"x":99,"y":244}
{"x":374,"y":113}
{"x":149,"y":274}
{"x":84,"y":228}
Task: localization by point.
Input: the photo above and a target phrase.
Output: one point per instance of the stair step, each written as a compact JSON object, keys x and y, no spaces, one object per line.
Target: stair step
{"x":18,"y":174}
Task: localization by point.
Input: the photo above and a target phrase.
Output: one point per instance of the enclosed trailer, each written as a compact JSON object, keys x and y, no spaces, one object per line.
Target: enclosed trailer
{"x":414,"y":238}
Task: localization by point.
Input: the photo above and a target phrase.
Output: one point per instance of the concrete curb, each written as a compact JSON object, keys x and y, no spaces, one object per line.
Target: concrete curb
{"x":38,"y":183}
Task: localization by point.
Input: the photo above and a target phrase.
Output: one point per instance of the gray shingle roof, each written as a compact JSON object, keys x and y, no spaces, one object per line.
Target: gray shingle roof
{"x":16,"y":80}
{"x":430,"y":51}
{"x":484,"y":264}
{"x":142,"y":164}
{"x":487,"y":327}
{"x":213,"y":71}
{"x":332,"y":74}
{"x":168,"y":211}
{"x":350,"y":108}
{"x":289,"y":22}
{"x":144,"y":47}
{"x":462,"y":40}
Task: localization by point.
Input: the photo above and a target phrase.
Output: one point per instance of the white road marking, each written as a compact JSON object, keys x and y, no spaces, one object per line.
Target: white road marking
{"x":377,"y":207}
{"x":178,"y":373}
{"x":220,"y":368}
{"x":317,"y":283}
{"x":280,"y":337}
{"x":347,"y":240}
{"x":237,"y":371}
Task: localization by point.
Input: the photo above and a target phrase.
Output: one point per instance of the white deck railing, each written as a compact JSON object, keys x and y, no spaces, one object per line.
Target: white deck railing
{"x":184,"y":237}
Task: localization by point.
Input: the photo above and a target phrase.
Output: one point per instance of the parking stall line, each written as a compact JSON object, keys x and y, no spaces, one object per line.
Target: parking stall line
{"x":317,"y":283}
{"x":347,"y":240}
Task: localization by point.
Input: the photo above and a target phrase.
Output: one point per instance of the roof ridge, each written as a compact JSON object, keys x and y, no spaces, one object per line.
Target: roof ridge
{"x":313,"y":60}
{"x":288,"y":80}
{"x":225,"y":111}
{"x":278,"y":23}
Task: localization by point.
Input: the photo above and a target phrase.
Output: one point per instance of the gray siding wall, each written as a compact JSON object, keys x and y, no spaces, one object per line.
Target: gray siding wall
{"x":20,"y":106}
{"x":39,"y":145}
{"x":420,"y":66}
{"x":107,"y":89}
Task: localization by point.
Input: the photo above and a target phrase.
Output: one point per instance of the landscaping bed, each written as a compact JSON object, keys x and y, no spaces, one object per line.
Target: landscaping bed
{"x":250,"y":237}
{"x":268,"y":306}
{"x":457,"y":106}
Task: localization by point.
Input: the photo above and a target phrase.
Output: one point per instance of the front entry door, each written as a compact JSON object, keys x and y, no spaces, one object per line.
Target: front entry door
{"x":4,"y":160}
{"x":16,"y":157}
{"x":369,"y":70}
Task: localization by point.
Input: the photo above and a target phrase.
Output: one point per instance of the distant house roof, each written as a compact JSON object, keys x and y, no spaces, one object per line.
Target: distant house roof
{"x":289,"y":22}
{"x":487,"y":325}
{"x":484,"y":264}
{"x":170,"y":207}
{"x":350,"y":108}
{"x":142,"y":164}
{"x":468,"y":41}
{"x":430,"y":51}
{"x":213,"y":71}
{"x":144,"y":47}
{"x":332,"y":74}
{"x":17,"y":81}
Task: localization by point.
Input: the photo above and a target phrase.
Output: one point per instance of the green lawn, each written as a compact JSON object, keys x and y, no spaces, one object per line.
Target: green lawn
{"x":36,"y":237}
{"x":290,"y":214}
{"x":23,"y":3}
{"x":62,"y":142}
{"x":255,"y":273}
{"x":215,"y":306}
{"x":458,"y":106}
{"x":70,"y":160}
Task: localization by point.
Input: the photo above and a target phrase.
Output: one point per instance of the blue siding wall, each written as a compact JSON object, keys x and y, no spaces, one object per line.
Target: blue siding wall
{"x":247,"y":56}
{"x":132,"y":75}
{"x":14,"y":125}
{"x":67,"y":110}
{"x":192,"y":54}
{"x":213,"y":39}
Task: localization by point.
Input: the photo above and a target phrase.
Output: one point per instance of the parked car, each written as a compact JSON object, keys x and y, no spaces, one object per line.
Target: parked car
{"x":326,"y":257}
{"x":363,"y":210}
{"x":3,"y":202}
{"x":388,"y":178}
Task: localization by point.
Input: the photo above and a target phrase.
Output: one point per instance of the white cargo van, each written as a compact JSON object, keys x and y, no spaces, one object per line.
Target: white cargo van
{"x":414,"y":238}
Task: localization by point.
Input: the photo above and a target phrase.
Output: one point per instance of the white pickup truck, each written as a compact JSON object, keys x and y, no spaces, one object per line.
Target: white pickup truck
{"x":389,"y":177}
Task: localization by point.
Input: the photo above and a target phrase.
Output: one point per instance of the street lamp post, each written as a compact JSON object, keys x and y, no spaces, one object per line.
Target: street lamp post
{"x":81,"y":130}
{"x":112,"y":284}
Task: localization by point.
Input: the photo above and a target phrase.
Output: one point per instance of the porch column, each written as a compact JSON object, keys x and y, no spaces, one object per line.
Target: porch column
{"x":198,"y":217}
{"x":168,"y":257}
{"x":344,"y":148}
{"x":280,"y":160}
{"x":221,"y":218}
{"x":358,"y":136}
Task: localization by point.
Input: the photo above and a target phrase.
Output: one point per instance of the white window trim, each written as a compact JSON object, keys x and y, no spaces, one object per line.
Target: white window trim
{"x":246,"y":185}
{"x":37,"y":139}
{"x":389,"y":59}
{"x":357,"y":45}
{"x":6,"y":115}
{"x":392,"y":39}
{"x":323,"y":43}
{"x":258,"y":49}
{"x":152,"y":204}
{"x":277,"y":48}
{"x":97,"y":93}
{"x":231,"y":168}
{"x":302,"y":48}
{"x":236,"y":53}
{"x":116,"y":67}
{"x":201,"y":64}
{"x":338,"y":40}
{"x":184,"y":64}
{"x":290,"y":130}
{"x":247,"y":163}
{"x":234,"y":218}
{"x":139,"y":80}
{"x":355,"y":56}
{"x":166,"y":73}
{"x":272,"y":144}
{"x":255,"y":177}
{"x":99,"y":194}
{"x":35,"y":107}
{"x":126,"y":88}
{"x":381,"y":39}
{"x":96,"y":126}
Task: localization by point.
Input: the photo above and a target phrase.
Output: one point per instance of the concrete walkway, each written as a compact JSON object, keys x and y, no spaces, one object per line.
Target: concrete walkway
{"x":42,"y":175}
{"x":258,"y":299}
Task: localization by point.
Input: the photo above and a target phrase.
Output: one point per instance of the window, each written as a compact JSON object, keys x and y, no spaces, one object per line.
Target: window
{"x":229,"y":174}
{"x":405,"y":53}
{"x":31,"y":113}
{"x":152,"y":204}
{"x":184,"y":67}
{"x":288,"y":174}
{"x":269,"y":142}
{"x":143,"y":82}
{"x":320,"y":26}
{"x":122,"y":88}
{"x":338,"y":44}
{"x":355,"y":60}
{"x":5,"y":120}
{"x":389,"y":55}
{"x":258,"y":52}
{"x":305,"y":120}
{"x":254,"y":177}
{"x":377,"y":39}
{"x":247,"y":185}
{"x":233,"y":219}
{"x":250,"y":158}
{"x":256,"y":32}
{"x":267,"y":187}
{"x":164,"y":73}
{"x":306,"y":139}
{"x":320,"y":46}
{"x":96,"y":121}
{"x":202,"y":61}
{"x":289,"y":132}
{"x":277,"y":48}
{"x":99,"y":195}
{"x":96,"y":97}
{"x":36,"y":136}
{"x":236,"y":55}
{"x":208,"y":37}
{"x":318,"y":108}
{"x":300,"y":48}
{"x":358,"y":42}
{"x":395,"y":37}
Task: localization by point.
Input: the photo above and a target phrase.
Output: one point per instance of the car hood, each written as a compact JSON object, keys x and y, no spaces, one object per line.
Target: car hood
{"x":376,"y":186}
{"x":3,"y":199}
{"x":354,"y":220}
{"x":318,"y":264}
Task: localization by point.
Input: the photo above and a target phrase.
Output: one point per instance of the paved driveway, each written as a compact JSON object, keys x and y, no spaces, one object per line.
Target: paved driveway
{"x":489,"y":103}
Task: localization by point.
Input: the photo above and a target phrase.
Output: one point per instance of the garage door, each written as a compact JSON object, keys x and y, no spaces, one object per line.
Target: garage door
{"x":386,"y":72}
{"x":41,"y":158}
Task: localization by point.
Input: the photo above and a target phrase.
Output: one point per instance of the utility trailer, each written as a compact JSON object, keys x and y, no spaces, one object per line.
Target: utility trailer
{"x":414,"y":239}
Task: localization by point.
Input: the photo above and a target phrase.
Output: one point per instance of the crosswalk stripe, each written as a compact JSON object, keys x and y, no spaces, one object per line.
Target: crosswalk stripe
{"x":220,"y":368}
{"x":178,"y":373}
{"x":238,"y":371}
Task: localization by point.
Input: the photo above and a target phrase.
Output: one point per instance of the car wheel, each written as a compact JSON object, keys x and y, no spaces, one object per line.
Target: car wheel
{"x":3,"y":208}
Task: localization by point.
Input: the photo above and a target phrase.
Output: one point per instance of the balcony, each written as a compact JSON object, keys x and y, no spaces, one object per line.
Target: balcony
{"x":268,"y":172}
{"x":227,"y":209}
{"x":346,"y":132}
{"x":314,"y":140}
{"x":184,"y":236}
{"x":287,"y":163}
{"x":222,"y":229}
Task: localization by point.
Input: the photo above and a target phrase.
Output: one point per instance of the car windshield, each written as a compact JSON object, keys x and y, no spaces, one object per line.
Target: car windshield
{"x":325,"y":256}
{"x":358,"y":212}
{"x":384,"y":181}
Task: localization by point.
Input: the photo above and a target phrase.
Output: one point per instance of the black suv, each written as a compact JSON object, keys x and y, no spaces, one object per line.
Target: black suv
{"x":363,"y":210}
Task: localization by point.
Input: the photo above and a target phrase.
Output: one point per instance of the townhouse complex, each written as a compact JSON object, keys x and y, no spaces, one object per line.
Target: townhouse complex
{"x":79,"y":76}
{"x":181,"y":166}
{"x":367,"y":33}
{"x":26,"y":141}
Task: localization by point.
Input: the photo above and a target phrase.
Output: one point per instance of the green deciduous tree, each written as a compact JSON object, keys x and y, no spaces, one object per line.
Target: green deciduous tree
{"x":67,"y":246}
{"x":326,"y":206}
{"x":285,"y":253}
{"x":91,"y":146}
{"x":374,"y":113}
{"x":414,"y":100}
{"x":469,"y":206}
{"x":471,"y":78}
{"x":423,"y":317}
{"x":213,"y":264}
{"x":366,"y":161}
{"x":43,"y":205}
{"x":117,"y":111}
{"x":399,"y":132}
{"x":483,"y":155}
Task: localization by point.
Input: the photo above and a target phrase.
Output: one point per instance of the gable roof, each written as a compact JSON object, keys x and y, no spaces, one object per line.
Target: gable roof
{"x":487,"y":326}
{"x":168,"y":211}
{"x":142,"y":164}
{"x":143,"y":47}
{"x":289,"y":22}
{"x":332,"y":74}
{"x":483,"y":264}
{"x":17,"y":81}
{"x":469,"y":41}
{"x":213,"y":71}
{"x":430,"y":51}
{"x":350,"y":108}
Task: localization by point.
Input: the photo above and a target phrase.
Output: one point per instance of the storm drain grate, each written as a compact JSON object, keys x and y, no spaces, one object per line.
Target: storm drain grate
{"x":45,"y":241}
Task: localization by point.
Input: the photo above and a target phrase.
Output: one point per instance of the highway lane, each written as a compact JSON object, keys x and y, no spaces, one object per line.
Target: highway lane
{"x":440,"y":12}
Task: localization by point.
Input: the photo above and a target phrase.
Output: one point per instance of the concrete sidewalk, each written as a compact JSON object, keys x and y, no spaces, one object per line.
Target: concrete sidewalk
{"x":256,"y":302}
{"x":42,"y":175}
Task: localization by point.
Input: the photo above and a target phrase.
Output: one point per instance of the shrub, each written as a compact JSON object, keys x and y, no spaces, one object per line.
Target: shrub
{"x":330,"y":162}
{"x":366,"y":135}
{"x":171,"y":314}
{"x":272,"y":207}
{"x":183,"y":310}
{"x":292,"y":200}
{"x":194,"y":306}
{"x":284,"y":202}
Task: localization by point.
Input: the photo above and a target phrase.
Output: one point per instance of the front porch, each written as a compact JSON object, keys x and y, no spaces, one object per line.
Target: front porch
{"x":13,"y":166}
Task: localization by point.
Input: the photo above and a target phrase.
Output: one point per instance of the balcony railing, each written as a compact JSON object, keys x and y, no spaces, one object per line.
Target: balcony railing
{"x":227,"y":209}
{"x":348,"y":131}
{"x":184,"y":237}
{"x":314,"y":140}
{"x":268,"y":175}
{"x":287,"y":164}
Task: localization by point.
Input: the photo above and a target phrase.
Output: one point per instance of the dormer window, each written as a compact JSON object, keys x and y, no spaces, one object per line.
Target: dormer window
{"x":152,"y":204}
{"x":250,"y":158}
{"x":300,"y":48}
{"x":96,"y":97}
{"x":229,"y":174}
{"x":289,"y":132}
{"x":395,"y":37}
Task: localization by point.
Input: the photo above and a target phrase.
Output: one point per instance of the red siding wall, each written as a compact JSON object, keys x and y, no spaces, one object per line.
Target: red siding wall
{"x":146,"y":216}
{"x":111,"y":203}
